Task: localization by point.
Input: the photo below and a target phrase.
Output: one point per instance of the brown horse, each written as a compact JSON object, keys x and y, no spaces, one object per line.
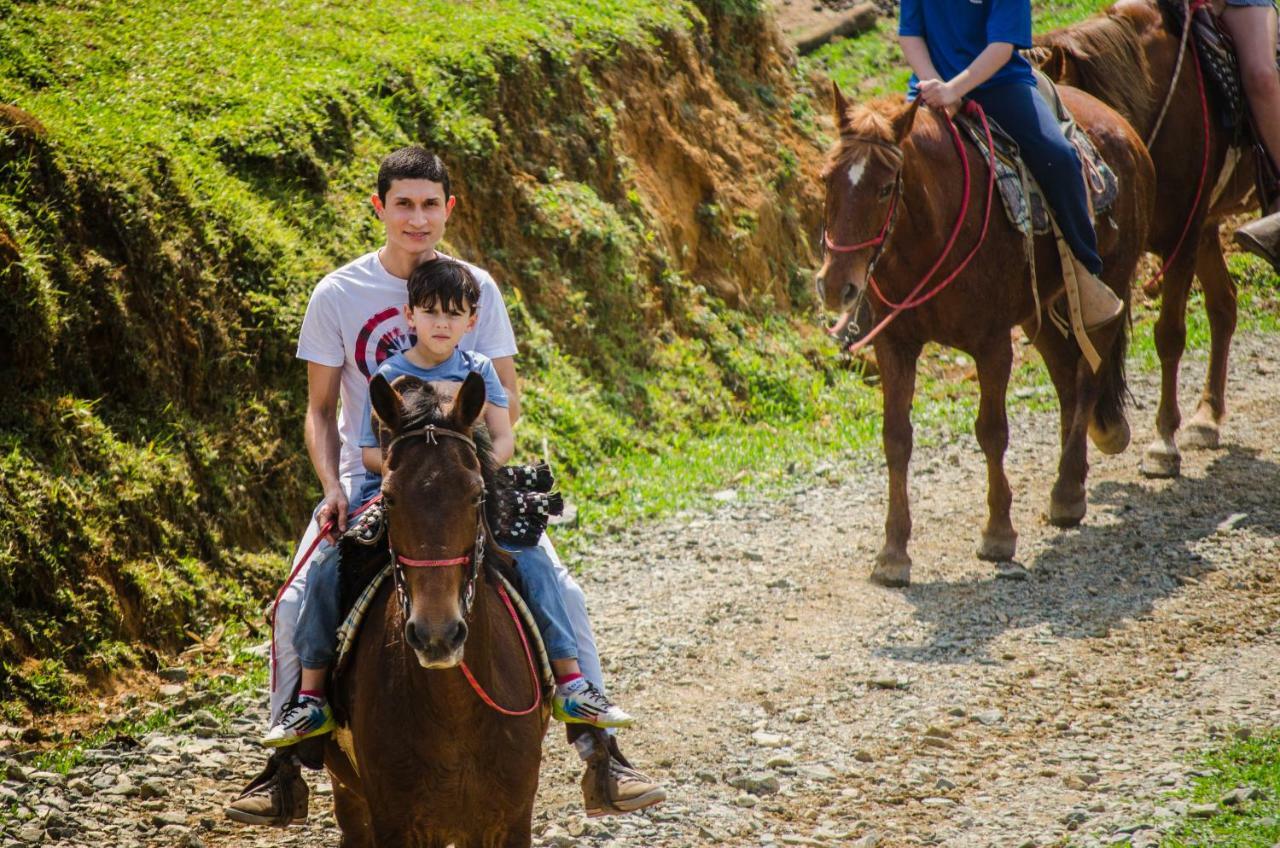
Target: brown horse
{"x":424,"y":761}
{"x":891,"y":153}
{"x":1126,"y":57}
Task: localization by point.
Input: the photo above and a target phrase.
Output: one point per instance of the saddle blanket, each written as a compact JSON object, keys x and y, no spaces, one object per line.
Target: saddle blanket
{"x":1023,"y":202}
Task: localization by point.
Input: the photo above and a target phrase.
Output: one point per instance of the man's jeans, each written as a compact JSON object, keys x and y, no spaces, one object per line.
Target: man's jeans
{"x":286,"y":667}
{"x":316,"y":639}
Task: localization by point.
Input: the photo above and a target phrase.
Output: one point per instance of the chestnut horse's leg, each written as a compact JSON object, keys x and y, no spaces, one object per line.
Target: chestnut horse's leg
{"x":1071,"y":378}
{"x":1162,"y":458}
{"x":897,"y":360}
{"x":999,"y":540}
{"x":1220,"y":302}
{"x":353,"y":817}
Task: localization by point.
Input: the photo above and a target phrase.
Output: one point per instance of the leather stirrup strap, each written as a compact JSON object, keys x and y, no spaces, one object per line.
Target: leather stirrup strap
{"x":1071,"y":282}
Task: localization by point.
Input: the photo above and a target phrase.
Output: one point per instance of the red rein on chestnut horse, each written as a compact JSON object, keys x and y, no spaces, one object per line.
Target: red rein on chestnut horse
{"x":899,"y":170}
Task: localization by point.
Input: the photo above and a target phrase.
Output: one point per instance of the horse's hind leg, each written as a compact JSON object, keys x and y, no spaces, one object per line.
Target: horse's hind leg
{"x":1071,"y":378}
{"x":1162,"y":458}
{"x":897,"y":360}
{"x":1220,"y":302}
{"x":999,"y":541}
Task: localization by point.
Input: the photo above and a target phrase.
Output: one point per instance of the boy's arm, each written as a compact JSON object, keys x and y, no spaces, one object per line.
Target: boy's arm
{"x":506,"y":368}
{"x":947,"y":95}
{"x":916,"y":51}
{"x":498,"y":420}
{"x":324,"y":383}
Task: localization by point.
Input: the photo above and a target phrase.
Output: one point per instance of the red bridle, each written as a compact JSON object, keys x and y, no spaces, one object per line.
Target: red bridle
{"x":915,"y":297}
{"x":878,"y":240}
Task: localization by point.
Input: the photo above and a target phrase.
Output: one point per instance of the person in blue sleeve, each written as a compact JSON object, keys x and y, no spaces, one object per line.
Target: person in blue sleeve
{"x":968,"y":48}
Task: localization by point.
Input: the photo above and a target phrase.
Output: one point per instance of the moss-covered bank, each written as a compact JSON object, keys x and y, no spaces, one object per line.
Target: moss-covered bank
{"x":175,"y":179}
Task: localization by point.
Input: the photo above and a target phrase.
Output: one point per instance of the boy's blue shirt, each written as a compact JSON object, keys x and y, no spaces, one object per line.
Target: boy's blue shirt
{"x":453,"y":370}
{"x":956,"y":31}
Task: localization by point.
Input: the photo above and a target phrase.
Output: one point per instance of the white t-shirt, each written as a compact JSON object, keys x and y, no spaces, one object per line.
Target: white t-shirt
{"x":355,"y":319}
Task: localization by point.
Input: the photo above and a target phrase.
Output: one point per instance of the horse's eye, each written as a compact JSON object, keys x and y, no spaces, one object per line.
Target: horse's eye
{"x":886,"y":190}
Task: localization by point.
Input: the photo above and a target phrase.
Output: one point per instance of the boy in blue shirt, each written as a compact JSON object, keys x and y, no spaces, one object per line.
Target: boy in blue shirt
{"x":442,"y":308}
{"x":968,"y":48}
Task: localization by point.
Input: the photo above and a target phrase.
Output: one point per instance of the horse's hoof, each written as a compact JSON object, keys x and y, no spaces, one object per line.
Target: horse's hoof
{"x":1067,"y":512}
{"x":1161,"y":460}
{"x":892,"y":571}
{"x":1200,"y":435}
{"x":994,"y":548}
{"x":1113,"y":439}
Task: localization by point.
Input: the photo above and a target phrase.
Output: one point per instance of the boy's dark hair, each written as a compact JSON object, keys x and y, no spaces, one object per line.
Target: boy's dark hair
{"x":445,"y":282}
{"x":411,"y":163}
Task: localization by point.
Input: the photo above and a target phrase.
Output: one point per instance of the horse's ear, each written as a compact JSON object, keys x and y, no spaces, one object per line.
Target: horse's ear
{"x":470,"y":401}
{"x":841,"y":106}
{"x":1058,"y":65}
{"x":902,"y":124}
{"x":386,"y":401}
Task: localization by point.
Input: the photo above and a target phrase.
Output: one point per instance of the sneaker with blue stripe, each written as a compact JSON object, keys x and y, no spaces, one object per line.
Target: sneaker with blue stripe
{"x":302,"y":719}
{"x":579,"y":702}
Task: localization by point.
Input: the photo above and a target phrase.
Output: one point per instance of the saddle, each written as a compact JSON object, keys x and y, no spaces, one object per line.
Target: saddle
{"x":1024,"y":203}
{"x":524,"y":503}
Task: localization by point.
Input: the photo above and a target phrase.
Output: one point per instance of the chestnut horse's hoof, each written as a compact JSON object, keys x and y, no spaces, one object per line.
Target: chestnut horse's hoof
{"x":1067,"y":512}
{"x":997,"y":548}
{"x":1201,"y":434}
{"x":892,"y":571}
{"x":1161,"y":460}
{"x":1111,"y":440}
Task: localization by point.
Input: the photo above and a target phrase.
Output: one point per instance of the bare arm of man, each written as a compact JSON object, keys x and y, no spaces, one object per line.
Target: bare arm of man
{"x":323,"y":443}
{"x":506,"y":368}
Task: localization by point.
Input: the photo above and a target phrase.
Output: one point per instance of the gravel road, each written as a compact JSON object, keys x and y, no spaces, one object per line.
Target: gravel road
{"x":785,"y":700}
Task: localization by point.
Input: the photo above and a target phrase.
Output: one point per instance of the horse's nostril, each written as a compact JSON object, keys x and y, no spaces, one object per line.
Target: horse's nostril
{"x":411,"y":636}
{"x":459,"y":635}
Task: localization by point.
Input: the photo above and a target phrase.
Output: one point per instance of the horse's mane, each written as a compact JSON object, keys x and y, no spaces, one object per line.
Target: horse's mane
{"x":1108,"y":55}
{"x":871,"y":121}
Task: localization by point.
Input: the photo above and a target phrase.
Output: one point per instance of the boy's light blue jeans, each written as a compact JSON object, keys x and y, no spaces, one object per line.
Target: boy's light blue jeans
{"x":316,"y":638}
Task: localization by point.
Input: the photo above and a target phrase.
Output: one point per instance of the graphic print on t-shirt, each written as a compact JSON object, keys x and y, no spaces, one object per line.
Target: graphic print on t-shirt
{"x":383,"y":335}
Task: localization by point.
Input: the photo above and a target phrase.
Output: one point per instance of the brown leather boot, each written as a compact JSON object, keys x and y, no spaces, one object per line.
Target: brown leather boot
{"x":1262,"y":237}
{"x":612,"y":787}
{"x":276,"y":798}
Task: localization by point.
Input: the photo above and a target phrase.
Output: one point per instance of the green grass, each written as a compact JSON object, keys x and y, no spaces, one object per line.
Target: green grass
{"x":1251,"y":763}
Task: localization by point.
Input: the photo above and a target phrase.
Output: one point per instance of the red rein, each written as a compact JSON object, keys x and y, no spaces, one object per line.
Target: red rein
{"x":1204,"y":165}
{"x":915,"y":298}
{"x":524,"y":640}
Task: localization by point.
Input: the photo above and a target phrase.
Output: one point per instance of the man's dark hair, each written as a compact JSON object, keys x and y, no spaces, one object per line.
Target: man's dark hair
{"x":411,"y":163}
{"x":445,"y":282}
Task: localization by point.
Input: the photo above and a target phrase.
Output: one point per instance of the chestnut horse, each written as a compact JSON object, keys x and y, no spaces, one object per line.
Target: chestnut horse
{"x":1126,"y":57}
{"x":895,"y":160}
{"x":424,"y":760}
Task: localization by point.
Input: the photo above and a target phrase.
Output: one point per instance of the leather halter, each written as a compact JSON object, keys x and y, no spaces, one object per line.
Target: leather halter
{"x":430,"y":435}
{"x":890,"y":217}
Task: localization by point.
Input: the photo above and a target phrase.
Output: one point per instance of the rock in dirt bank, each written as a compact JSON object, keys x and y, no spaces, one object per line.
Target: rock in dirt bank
{"x":632,"y":174}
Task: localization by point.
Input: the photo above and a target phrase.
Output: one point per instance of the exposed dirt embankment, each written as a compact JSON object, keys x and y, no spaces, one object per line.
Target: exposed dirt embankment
{"x":150,"y":446}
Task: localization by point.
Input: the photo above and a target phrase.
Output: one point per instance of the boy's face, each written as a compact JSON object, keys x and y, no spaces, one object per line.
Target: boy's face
{"x":414,"y":213}
{"x":439,"y":329}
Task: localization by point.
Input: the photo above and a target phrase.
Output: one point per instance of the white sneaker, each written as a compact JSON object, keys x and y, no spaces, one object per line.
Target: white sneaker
{"x":579,"y":702}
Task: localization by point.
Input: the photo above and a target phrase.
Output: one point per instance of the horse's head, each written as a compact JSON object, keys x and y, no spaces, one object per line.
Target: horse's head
{"x":433,"y":489}
{"x":863,"y":179}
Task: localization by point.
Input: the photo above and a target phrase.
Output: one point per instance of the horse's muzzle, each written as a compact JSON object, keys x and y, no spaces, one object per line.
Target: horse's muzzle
{"x":437,"y":647}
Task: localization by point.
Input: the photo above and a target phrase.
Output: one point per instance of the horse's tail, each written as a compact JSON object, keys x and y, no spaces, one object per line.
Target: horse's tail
{"x":1113,"y":387}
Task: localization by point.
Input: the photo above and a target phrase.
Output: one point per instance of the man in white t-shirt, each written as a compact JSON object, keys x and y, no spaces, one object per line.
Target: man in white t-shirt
{"x":353,"y":322}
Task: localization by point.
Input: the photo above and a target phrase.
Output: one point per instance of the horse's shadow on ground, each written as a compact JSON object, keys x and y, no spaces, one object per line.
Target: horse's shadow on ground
{"x":1114,"y":568}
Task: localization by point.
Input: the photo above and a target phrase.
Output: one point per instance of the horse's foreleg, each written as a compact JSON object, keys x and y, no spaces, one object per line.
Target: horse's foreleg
{"x":1162,"y":458}
{"x":897,"y":362}
{"x":1220,"y":302}
{"x":999,"y":540}
{"x":1069,"y":373}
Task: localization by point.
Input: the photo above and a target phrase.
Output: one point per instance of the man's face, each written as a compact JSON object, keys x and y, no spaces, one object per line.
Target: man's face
{"x":414,"y":213}
{"x":439,"y":329}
